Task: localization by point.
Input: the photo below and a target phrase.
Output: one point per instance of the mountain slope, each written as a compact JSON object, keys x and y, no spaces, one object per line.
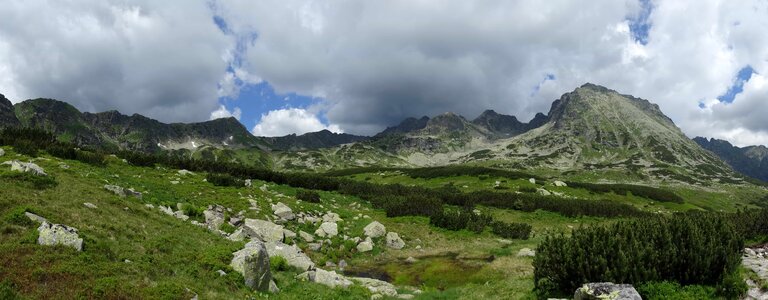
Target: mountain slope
{"x":311,"y":140}
{"x":7,"y":114}
{"x":505,"y":125}
{"x":751,"y":161}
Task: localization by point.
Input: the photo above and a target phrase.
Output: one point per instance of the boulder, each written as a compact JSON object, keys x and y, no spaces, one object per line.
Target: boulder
{"x":166,"y":210}
{"x":532,"y":180}
{"x":214,"y":216}
{"x":236,"y":221}
{"x":185,"y":172}
{"x":35,"y":218}
{"x":327,"y":229}
{"x":366,"y":245}
{"x":2,"y":152}
{"x":292,"y":254}
{"x":543,"y":192}
{"x":248,"y":183}
{"x":606,"y":291}
{"x":560,"y":183}
{"x":327,"y":278}
{"x":306,"y":236}
{"x":283,"y":211}
{"x":263,"y":230}
{"x":331,"y":217}
{"x":237,"y":236}
{"x":57,"y":234}
{"x":377,"y":286}
{"x":394,"y":241}
{"x":180,"y":215}
{"x":115,"y":189}
{"x":90,"y":205}
{"x":375,"y":229}
{"x":253,"y":263}
{"x":526,"y":252}
{"x":26,"y":167}
{"x":132,"y":192}
{"x":288,"y":234}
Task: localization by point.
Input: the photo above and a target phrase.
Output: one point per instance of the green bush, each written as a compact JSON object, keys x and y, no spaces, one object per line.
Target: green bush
{"x":308,"y":196}
{"x":637,"y":190}
{"x":519,"y":231}
{"x":220,"y":179}
{"x":278,"y":264}
{"x":691,"y":248}
{"x":17,"y":217}
{"x":38,"y":182}
{"x":228,"y":228}
{"x":672,"y":290}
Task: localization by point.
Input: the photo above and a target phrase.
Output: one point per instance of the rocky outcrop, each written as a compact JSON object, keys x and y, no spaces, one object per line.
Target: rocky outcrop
{"x":327,"y":229}
{"x":292,"y":254}
{"x":606,"y":291}
{"x":263,"y":230}
{"x":122,"y":192}
{"x":283,"y":211}
{"x":327,"y":278}
{"x":7,"y":113}
{"x":253,"y":263}
{"x":394,"y":241}
{"x":29,"y":167}
{"x":57,"y":234}
{"x":375,"y":229}
{"x":214,"y":216}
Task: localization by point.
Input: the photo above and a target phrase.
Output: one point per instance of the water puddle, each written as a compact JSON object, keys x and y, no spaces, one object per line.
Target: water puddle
{"x":438,"y":272}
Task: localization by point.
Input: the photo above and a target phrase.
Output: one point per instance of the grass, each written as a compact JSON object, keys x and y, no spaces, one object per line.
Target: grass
{"x":172,"y":259}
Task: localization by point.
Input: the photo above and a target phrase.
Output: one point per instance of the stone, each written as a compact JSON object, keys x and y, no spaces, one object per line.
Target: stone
{"x":2,"y":152}
{"x":115,"y":189}
{"x":525,"y":252}
{"x":749,"y":252}
{"x":34,"y":217}
{"x":26,"y":167}
{"x":376,"y":297}
{"x":273,"y":287}
{"x":263,"y":230}
{"x":405,"y":296}
{"x":57,"y":234}
{"x":253,"y":263}
{"x":394,"y":241}
{"x":376,"y":286}
{"x":292,"y":254}
{"x":180,"y":215}
{"x":148,"y":205}
{"x":375,"y":229}
{"x":411,"y":260}
{"x":314,"y":246}
{"x":327,"y":229}
{"x":606,"y":291}
{"x":288,"y":234}
{"x":166,"y":210}
{"x":366,"y":245}
{"x":221,"y":272}
{"x":283,"y":211}
{"x":214,"y":216}
{"x":174,"y":182}
{"x":330,"y":264}
{"x":343,"y":264}
{"x":532,"y":180}
{"x":560,"y":183}
{"x":331,"y":217}
{"x":327,"y":278}
{"x":543,"y":192}
{"x":90,"y":205}
{"x":248,"y":183}
{"x":307,"y":237}
{"x":183,"y":172}
{"x":132,"y":192}
{"x":237,"y":236}
{"x":236,"y":221}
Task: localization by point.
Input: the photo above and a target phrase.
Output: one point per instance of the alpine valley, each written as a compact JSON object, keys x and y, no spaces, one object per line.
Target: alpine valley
{"x":602,"y":196}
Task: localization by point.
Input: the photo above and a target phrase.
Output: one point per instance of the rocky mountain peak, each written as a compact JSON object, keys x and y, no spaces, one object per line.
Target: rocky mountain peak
{"x":7,"y":114}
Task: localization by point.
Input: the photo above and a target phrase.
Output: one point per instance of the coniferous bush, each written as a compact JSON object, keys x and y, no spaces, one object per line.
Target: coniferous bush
{"x":691,"y":248}
{"x":308,"y":195}
{"x":224,"y":180}
{"x":520,"y":231}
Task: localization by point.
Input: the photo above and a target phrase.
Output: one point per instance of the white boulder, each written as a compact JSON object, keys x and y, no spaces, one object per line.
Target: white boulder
{"x":57,"y":234}
{"x":375,"y":229}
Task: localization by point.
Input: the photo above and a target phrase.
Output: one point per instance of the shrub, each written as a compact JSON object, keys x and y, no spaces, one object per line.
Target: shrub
{"x":673,"y":290}
{"x":278,"y":263}
{"x":38,"y":182}
{"x":637,"y":190}
{"x":308,"y":196}
{"x":17,"y":217}
{"x":224,"y":180}
{"x":228,"y":228}
{"x":690,"y":248}
{"x":398,"y":206}
{"x":519,"y":231}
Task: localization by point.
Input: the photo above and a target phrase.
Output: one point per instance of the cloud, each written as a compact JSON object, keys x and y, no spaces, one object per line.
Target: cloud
{"x":163,"y":59}
{"x":290,"y":120}
{"x":223,"y":112}
{"x":378,"y":62}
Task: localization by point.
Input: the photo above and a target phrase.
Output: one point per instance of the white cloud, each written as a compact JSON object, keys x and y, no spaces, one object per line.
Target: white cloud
{"x":223,"y":112}
{"x":290,"y":120}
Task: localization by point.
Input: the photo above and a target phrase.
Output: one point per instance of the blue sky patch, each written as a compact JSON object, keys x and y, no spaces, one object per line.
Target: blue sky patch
{"x":738,"y":84}
{"x":257,"y":99}
{"x":639,"y":25}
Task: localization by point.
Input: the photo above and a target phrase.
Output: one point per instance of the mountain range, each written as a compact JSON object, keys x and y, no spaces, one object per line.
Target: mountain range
{"x":592,"y":129}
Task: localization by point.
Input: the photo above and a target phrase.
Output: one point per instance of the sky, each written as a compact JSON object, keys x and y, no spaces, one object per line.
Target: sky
{"x":296,"y":66}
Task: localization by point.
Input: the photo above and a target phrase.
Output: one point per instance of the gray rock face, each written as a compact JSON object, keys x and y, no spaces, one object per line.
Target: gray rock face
{"x":366,"y":245}
{"x":394,"y":241}
{"x":263,"y":230}
{"x":606,"y":291}
{"x":375,"y":229}
{"x":327,"y":229}
{"x":292,"y":254}
{"x":57,"y":234}
{"x":327,"y":278}
{"x":253,"y":262}
{"x":214,"y":216}
{"x":26,"y":167}
{"x":283,"y":211}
